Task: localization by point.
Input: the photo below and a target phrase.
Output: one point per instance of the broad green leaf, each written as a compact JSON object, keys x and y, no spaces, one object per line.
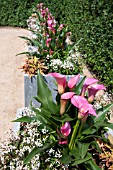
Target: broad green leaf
{"x":24,"y":119}
{"x":23,"y":53}
{"x":102,"y":113}
{"x":76,"y":153}
{"x":90,"y":130}
{"x":37,"y":151}
{"x":81,"y":161}
{"x":26,"y":38}
{"x":83,"y":148}
{"x":66,"y":118}
{"x":78,"y":88}
{"x":92,"y":165}
{"x":44,"y":94}
{"x":47,"y":119}
{"x":96,"y":145}
{"x":100,"y":124}
{"x":66,"y":158}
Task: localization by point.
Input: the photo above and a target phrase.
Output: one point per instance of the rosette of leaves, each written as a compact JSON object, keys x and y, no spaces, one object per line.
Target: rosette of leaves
{"x":32,"y":64}
{"x":87,"y":134}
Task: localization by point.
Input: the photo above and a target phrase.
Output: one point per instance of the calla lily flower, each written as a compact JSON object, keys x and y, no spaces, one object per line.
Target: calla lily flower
{"x":48,"y":42}
{"x":61,"y":26}
{"x":66,"y":129}
{"x":49,"y":22}
{"x":63,"y":141}
{"x":93,"y":90}
{"x":67,"y":95}
{"x":73,"y":81}
{"x":84,"y":107}
{"x":61,"y":81}
{"x":88,"y":82}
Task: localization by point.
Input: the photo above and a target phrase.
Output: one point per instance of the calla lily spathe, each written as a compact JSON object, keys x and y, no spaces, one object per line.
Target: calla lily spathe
{"x":80,"y":102}
{"x":61,"y":81}
{"x":93,"y":90}
{"x":73,"y":81}
{"x":66,"y":129}
{"x":88,"y":82}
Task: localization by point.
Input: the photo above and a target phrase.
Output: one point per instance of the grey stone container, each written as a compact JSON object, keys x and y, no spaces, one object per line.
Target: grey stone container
{"x":30,"y":88}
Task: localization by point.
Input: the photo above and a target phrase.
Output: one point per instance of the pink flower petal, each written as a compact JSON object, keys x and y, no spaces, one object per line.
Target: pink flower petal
{"x":67,"y":95}
{"x":66,"y":129}
{"x":78,"y":101}
{"x":88,"y":82}
{"x":63,"y":141}
{"x":61,"y":81}
{"x":49,"y":22}
{"x":72,"y":82}
{"x":93,"y":90}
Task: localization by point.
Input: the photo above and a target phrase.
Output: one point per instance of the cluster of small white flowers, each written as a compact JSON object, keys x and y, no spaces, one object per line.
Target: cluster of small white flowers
{"x":33,"y":36}
{"x":14,"y":151}
{"x":67,"y":64}
{"x":33,"y":24}
{"x":55,"y":64}
{"x":33,"y":49}
{"x":102,"y":100}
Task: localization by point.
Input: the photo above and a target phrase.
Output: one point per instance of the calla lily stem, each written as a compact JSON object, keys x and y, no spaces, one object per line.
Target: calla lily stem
{"x":74,"y":134}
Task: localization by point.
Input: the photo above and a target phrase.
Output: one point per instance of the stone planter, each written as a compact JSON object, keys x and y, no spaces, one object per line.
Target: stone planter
{"x":30,"y":88}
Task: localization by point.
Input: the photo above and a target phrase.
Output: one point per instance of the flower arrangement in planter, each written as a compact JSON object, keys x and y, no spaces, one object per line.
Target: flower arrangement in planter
{"x":49,"y":42}
{"x":73,"y":128}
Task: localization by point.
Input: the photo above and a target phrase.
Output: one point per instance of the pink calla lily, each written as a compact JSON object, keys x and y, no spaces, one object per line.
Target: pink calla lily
{"x":82,"y":104}
{"x":49,"y":22}
{"x":61,"y":26}
{"x":67,"y":95}
{"x":63,"y":141}
{"x":48,"y":42}
{"x":61,"y":81}
{"x":66,"y":129}
{"x":93,"y":90}
{"x":73,"y":81}
{"x":88,"y":82}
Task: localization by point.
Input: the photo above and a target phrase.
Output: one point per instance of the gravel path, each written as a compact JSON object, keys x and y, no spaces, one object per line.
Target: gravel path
{"x":11,"y":78}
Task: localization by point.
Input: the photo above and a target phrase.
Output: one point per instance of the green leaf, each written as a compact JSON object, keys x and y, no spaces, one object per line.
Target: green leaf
{"x":37,"y":151}
{"x":78,"y":88}
{"x":96,"y":145}
{"x":76,"y":153}
{"x":65,"y":118}
{"x":90,"y":130}
{"x":83,"y":148}
{"x":23,"y":53}
{"x":44,"y":95}
{"x":66,"y":158}
{"x":92,"y":165}
{"x":102,"y":113}
{"x":81,"y":161}
{"x":45,"y":117}
{"x":24,"y":119}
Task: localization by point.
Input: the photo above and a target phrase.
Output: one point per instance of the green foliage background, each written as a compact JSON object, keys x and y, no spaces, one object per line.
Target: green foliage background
{"x":91,"y":20}
{"x":15,"y":12}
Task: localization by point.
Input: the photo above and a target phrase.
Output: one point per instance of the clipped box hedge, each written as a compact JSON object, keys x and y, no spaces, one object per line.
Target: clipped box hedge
{"x":15,"y":12}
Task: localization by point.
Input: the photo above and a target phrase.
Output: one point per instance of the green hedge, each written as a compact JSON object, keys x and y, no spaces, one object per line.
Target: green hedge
{"x":91,"y":20}
{"x":15,"y":12}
